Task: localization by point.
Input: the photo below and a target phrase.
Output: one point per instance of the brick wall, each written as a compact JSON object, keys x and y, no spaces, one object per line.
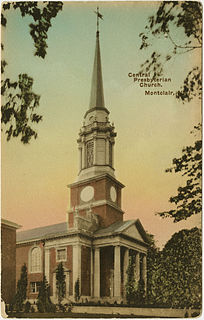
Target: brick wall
{"x":108,"y":214}
{"x":68,"y":265}
{"x":8,"y":262}
{"x":22,"y":256}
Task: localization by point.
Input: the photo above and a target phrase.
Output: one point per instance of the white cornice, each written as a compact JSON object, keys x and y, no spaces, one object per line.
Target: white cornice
{"x":10,"y":223}
{"x":95,"y":204}
{"x":96,"y":178}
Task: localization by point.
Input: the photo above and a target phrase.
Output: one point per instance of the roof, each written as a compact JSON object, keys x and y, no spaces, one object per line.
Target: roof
{"x":42,"y":232}
{"x":61,"y":229}
{"x":122,"y":226}
{"x":116,"y":227}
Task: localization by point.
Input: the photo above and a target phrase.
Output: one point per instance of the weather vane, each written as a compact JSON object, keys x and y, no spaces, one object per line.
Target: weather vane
{"x":99,"y":15}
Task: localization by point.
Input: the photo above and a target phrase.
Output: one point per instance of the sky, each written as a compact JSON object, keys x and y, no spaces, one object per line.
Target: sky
{"x":151,"y":130}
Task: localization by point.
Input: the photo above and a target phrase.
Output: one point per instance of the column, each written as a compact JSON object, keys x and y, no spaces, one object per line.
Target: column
{"x":117,"y":275}
{"x":67,"y":284}
{"x":112,"y":154}
{"x":83,"y":154}
{"x":47,"y":265}
{"x":54,"y":286}
{"x":125,"y":267}
{"x":137,"y":266}
{"x":94,"y":151}
{"x":77,"y":265}
{"x":144,"y":271}
{"x":92,"y":273}
{"x":107,"y":151}
{"x":97,"y":272}
{"x":80,"y":158}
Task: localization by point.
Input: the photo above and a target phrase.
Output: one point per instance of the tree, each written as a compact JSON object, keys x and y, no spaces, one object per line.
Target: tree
{"x":188,"y":200}
{"x":44,"y":303}
{"x":186,"y":17}
{"x":177,"y":281}
{"x":21,"y":289}
{"x":60,"y":282}
{"x":19,"y":100}
{"x":77,"y":290}
{"x":131,"y":285}
{"x":153,"y":270}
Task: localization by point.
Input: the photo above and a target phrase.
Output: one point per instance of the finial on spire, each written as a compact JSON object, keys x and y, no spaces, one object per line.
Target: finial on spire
{"x":99,"y":15}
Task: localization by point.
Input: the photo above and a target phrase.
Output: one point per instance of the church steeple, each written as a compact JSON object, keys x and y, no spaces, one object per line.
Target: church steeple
{"x":97,"y":136}
{"x":97,"y":97}
{"x":96,"y":194}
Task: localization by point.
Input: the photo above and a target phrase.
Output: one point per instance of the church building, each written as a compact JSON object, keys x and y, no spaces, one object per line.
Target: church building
{"x":94,"y":243}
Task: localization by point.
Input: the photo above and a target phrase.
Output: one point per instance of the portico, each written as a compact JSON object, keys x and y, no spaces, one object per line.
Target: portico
{"x":109,"y":260}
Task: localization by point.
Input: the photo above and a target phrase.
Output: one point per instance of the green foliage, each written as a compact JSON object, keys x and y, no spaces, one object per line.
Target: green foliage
{"x":140,"y":293}
{"x":42,"y":14}
{"x":77,"y":290}
{"x":44,"y":303}
{"x":153,"y":269}
{"x":19,"y":101}
{"x":186,"y":16}
{"x":21,"y":289}
{"x":177,"y":280}
{"x":60,"y":282}
{"x":27,"y":307}
{"x":18,"y":108}
{"x":131,"y":285}
{"x":188,"y":201}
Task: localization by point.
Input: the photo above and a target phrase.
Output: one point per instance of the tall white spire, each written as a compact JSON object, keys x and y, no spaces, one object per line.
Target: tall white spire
{"x":97,"y":96}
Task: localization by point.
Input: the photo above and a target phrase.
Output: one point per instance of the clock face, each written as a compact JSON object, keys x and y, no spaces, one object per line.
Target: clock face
{"x":113,"y":194}
{"x":87,"y":194}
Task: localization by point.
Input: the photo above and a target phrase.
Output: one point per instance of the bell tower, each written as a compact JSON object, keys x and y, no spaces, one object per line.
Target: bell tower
{"x":96,"y":190}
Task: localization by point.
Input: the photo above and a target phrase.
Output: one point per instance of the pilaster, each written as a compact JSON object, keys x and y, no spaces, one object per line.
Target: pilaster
{"x":47,"y":265}
{"x":77,"y":265}
{"x":97,"y":272}
{"x":92,"y":274}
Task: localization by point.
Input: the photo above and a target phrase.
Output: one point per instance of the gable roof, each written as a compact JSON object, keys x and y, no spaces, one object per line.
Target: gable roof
{"x":126,"y":228}
{"x":40,"y":233}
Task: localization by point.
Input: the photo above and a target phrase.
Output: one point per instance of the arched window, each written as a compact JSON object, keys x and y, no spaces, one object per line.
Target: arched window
{"x":35,"y":261}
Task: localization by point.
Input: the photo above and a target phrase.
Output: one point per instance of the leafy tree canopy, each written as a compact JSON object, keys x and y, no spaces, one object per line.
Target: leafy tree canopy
{"x":19,"y":100}
{"x":171,"y":18}
{"x":185,"y":16}
{"x":188,"y":200}
{"x":175,"y":279}
{"x":182,"y":269}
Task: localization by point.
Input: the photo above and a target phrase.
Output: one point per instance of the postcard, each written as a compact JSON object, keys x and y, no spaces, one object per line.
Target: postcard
{"x":101,"y":159}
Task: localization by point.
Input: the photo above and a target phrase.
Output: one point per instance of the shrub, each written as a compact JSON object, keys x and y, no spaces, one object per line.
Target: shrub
{"x":76,"y":290}
{"x":27,"y":306}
